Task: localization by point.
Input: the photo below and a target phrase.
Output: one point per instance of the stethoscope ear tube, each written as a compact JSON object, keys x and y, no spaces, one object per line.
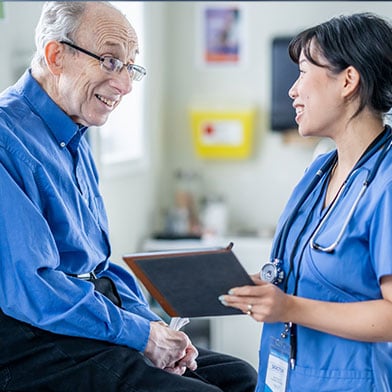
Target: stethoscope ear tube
{"x":384,"y":139}
{"x":273,"y":272}
{"x":330,"y":248}
{"x":280,"y":243}
{"x":270,"y":269}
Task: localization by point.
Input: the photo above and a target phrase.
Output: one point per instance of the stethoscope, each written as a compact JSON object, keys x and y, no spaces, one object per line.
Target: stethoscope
{"x":330,"y":248}
{"x":273,"y":271}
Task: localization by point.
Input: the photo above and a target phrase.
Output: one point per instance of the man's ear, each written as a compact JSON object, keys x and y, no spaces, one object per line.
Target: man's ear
{"x":54,"y":53}
{"x":351,"y":81}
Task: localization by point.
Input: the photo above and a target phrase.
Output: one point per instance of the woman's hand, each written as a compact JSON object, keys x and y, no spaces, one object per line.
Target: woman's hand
{"x":368,"y":321}
{"x":265,"y":302}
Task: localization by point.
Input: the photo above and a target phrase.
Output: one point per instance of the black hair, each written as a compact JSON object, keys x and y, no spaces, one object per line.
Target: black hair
{"x":363,"y":41}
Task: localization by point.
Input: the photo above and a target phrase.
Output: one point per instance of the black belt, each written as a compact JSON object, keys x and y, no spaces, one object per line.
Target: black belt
{"x":103,"y":285}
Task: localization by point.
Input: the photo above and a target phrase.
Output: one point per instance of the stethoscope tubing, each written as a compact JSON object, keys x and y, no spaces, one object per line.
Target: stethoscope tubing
{"x":330,"y":248}
{"x":280,"y":243}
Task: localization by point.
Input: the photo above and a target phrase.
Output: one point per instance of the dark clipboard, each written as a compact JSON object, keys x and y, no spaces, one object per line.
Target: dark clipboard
{"x":187,"y":283}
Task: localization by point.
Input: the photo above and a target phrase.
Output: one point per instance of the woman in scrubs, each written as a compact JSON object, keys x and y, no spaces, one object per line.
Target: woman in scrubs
{"x":326,"y":302}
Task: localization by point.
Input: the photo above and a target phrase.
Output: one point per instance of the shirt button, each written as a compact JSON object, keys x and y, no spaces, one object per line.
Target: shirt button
{"x":62,"y":144}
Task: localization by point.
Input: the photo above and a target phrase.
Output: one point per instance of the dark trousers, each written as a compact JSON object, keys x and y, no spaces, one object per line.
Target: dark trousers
{"x":35,"y":360}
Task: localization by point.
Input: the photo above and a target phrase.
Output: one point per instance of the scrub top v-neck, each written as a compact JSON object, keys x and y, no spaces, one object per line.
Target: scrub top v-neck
{"x":350,"y":273}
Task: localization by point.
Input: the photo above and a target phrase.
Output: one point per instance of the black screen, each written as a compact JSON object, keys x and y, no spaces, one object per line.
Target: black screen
{"x":284,"y":74}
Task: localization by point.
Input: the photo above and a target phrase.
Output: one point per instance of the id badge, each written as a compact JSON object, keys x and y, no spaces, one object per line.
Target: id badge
{"x":277,"y":366}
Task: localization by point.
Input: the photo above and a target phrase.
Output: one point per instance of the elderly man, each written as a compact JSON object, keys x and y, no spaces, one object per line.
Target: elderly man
{"x":71,"y":320}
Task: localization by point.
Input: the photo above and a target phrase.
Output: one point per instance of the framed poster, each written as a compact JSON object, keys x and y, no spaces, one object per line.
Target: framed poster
{"x":221,"y":35}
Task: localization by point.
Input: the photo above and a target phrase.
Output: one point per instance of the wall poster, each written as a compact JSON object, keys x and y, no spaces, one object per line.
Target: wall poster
{"x":222,"y":34}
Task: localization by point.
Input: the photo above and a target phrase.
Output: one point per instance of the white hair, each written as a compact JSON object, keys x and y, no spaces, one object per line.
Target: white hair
{"x":59,"y":21}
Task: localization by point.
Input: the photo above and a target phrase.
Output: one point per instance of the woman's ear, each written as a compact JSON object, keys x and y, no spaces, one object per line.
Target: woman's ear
{"x":351,"y":81}
{"x":54,"y":53}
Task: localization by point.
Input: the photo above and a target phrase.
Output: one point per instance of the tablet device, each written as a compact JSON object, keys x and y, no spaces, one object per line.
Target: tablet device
{"x":187,"y":283}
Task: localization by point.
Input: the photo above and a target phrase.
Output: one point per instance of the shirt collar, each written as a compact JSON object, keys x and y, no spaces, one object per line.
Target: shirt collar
{"x":59,"y":123}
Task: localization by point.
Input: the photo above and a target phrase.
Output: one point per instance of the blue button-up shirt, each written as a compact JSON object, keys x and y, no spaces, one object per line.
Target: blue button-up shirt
{"x":53,"y":224}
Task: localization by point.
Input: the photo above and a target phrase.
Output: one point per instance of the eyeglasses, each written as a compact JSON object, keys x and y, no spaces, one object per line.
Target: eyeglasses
{"x":111,"y":64}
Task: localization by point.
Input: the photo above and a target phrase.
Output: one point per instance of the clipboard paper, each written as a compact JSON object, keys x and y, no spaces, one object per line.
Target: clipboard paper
{"x":188,"y":283}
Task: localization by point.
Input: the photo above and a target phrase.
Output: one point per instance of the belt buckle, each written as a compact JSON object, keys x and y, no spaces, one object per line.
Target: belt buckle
{"x":87,"y":276}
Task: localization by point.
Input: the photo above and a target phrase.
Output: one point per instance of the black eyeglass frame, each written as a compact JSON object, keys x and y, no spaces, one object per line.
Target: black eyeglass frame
{"x":137,"y":76}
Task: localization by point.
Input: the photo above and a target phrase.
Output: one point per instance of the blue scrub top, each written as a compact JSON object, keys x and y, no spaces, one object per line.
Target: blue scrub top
{"x":349,"y":274}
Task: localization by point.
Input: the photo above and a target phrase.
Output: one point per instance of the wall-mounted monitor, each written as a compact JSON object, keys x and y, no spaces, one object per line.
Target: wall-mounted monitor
{"x":284,"y":74}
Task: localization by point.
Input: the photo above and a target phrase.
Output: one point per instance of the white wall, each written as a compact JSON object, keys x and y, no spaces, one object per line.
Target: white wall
{"x":131,"y":198}
{"x":17,"y":38}
{"x":256,"y":189}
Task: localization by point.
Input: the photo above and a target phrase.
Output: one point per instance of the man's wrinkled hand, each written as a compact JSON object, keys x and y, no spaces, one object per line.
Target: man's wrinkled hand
{"x":170,"y":350}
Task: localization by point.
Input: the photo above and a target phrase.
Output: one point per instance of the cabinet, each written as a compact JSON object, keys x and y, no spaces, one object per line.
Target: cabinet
{"x":238,"y":335}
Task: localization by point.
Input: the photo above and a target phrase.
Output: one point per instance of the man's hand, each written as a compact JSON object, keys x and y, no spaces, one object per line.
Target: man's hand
{"x":170,"y":350}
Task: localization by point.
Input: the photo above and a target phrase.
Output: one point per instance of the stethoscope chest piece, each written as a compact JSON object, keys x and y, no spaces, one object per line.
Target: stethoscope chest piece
{"x":272,"y":272}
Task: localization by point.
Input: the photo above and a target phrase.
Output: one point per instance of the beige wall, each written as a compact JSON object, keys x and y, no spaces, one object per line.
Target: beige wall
{"x":255,"y":189}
